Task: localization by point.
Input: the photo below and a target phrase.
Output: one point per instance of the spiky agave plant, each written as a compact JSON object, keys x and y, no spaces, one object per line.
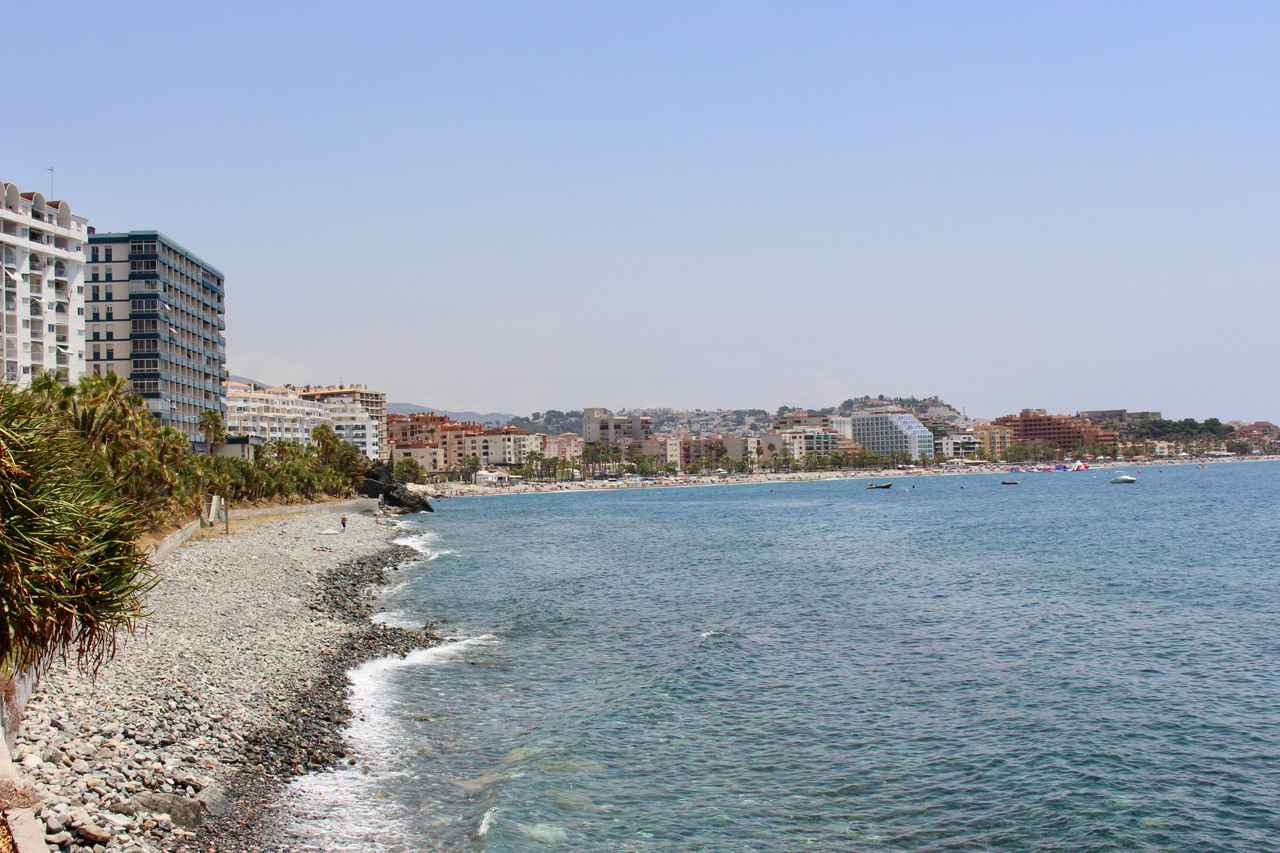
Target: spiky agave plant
{"x":70,"y":573}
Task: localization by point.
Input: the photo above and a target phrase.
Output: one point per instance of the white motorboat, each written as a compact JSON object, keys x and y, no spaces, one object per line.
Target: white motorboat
{"x":1124,"y":478}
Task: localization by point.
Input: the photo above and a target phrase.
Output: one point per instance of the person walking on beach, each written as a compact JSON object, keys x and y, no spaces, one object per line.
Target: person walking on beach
{"x":344,"y":524}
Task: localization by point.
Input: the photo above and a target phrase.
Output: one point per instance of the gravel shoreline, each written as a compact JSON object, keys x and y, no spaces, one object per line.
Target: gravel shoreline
{"x":187,"y":739}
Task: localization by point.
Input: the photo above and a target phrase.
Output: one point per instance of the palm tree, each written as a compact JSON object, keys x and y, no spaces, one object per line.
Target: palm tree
{"x":70,"y":574}
{"x":210,"y":426}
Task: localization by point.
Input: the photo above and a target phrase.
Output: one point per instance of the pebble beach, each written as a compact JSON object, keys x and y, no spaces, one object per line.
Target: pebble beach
{"x":234,"y":684}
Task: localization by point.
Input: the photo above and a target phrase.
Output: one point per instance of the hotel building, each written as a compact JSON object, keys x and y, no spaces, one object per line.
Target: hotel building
{"x":1034,"y":426}
{"x":156,"y":314}
{"x":600,"y":425}
{"x":888,"y":431}
{"x":42,"y":316}
{"x":374,"y":402}
{"x":356,"y":425}
{"x":273,"y":413}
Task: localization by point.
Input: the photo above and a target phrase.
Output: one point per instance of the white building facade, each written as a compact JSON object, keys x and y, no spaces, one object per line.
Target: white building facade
{"x":354,"y":425}
{"x":892,"y":431}
{"x":42,"y":257}
{"x":273,"y":414}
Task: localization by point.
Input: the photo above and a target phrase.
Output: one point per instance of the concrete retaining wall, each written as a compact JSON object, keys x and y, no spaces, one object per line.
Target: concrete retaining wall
{"x":28,"y":833}
{"x":167,"y":545}
{"x":362,"y":505}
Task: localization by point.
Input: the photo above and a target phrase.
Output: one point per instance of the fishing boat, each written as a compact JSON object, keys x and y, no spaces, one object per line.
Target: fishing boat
{"x":1008,"y":482}
{"x":881,"y":486}
{"x":1124,"y":478}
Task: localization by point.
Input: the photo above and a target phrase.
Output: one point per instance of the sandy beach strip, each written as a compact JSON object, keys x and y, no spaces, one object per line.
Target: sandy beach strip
{"x":461,"y":490}
{"x":237,"y":684}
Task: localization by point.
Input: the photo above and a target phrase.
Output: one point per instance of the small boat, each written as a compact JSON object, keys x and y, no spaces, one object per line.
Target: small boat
{"x":1008,"y":482}
{"x":881,"y":486}
{"x":1124,"y":478}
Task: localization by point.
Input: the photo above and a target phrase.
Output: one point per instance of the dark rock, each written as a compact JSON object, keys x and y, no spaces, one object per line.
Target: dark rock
{"x":402,"y":497}
{"x":380,"y":482}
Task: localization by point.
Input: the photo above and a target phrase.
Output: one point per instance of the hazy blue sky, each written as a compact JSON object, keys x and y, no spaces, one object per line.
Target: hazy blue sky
{"x":556,"y":205}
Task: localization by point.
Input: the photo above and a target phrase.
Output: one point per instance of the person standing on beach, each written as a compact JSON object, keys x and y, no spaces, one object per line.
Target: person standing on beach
{"x":344,"y":524}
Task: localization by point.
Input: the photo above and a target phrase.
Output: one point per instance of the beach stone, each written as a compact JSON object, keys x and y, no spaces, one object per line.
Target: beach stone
{"x":214,"y":800}
{"x":94,"y":834}
{"x":183,"y":810}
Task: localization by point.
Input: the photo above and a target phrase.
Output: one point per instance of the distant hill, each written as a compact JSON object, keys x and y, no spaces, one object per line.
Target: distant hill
{"x":247,"y":381}
{"x":477,"y":417}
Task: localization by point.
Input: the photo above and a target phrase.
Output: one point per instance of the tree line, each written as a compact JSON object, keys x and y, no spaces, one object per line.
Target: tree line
{"x":85,"y":471}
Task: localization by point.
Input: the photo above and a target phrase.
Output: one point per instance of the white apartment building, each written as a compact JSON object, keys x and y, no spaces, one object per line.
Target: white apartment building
{"x":500,"y":447}
{"x":42,"y":257}
{"x":960,"y":445}
{"x":273,"y":413}
{"x":600,"y":425}
{"x":891,"y":430}
{"x":354,"y":425}
{"x":800,"y":442}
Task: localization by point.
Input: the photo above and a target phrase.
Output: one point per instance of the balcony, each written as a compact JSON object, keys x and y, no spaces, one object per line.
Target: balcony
{"x":60,"y":339}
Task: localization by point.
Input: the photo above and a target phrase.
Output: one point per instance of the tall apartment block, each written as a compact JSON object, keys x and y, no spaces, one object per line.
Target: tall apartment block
{"x":156,"y":315}
{"x":42,"y":257}
{"x":374,"y":402}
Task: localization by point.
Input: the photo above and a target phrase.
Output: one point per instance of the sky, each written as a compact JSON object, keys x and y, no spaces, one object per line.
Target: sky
{"x":526,"y":206}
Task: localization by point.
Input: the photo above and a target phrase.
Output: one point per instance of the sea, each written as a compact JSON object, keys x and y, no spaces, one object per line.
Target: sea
{"x":951,"y":664}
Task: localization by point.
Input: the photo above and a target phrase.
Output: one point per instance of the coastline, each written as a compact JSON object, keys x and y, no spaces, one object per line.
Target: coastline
{"x":237,"y":684}
{"x":462,"y":490}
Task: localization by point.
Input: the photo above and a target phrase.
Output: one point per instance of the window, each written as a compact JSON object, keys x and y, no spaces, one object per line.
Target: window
{"x":110,"y":312}
{"x":97,"y":369}
{"x":95,"y":314}
{"x":107,"y":258}
{"x":111,"y":333}
{"x":146,"y":364}
{"x":97,"y":352}
{"x":111,"y":353}
{"x":80,"y":311}
{"x":108,"y":297}
{"x":93,"y":255}
{"x":94,"y":277}
{"x":146,"y":327}
{"x":151,"y":345}
{"x":96,"y":334}
{"x":143,"y":248}
{"x":144,"y":305}
{"x":142,"y":266}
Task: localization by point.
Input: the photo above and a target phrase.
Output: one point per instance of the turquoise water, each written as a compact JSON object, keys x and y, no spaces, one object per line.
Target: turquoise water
{"x":1064,"y":665}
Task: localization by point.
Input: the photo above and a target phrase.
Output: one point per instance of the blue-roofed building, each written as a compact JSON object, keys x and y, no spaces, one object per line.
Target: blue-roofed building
{"x":156,"y":314}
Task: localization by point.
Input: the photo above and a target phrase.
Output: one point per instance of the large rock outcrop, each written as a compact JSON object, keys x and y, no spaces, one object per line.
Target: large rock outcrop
{"x":379,"y":482}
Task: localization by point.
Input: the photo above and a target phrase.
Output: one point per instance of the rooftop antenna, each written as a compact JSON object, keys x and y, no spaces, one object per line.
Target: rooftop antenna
{"x":50,"y":183}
